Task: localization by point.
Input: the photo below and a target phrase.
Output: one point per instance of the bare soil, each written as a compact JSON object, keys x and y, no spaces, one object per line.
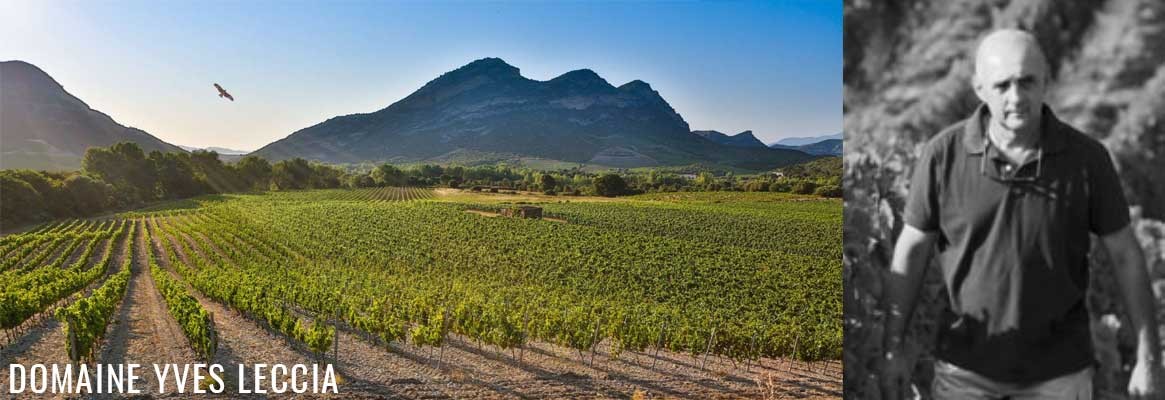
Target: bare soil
{"x":144,"y":332}
{"x":494,"y":214}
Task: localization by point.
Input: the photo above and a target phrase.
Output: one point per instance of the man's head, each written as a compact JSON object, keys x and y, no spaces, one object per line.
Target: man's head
{"x":1011,"y":76}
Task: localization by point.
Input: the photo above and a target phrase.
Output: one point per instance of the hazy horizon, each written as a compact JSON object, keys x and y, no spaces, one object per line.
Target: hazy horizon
{"x":773,"y":69}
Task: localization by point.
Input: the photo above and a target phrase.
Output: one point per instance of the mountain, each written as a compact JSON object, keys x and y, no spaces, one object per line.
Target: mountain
{"x":42,"y":126}
{"x":828,"y":147}
{"x":219,"y":150}
{"x":742,"y":139}
{"x":488,"y":107}
{"x":801,"y":141}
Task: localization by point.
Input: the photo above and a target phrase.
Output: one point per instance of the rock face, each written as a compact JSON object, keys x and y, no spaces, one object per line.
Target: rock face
{"x":488,"y":107}
{"x":44,"y":127}
{"x":742,"y":139}
{"x":907,"y":70}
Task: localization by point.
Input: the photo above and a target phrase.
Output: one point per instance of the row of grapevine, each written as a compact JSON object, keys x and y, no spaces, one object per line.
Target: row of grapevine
{"x":387,"y":194}
{"x":32,"y":292}
{"x":86,"y":320}
{"x":196,"y":323}
{"x":236,"y":289}
{"x":33,"y":250}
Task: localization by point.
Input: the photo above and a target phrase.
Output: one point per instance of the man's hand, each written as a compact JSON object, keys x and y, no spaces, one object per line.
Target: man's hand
{"x":895,"y":371}
{"x":1133,"y":281}
{"x":1145,"y":382}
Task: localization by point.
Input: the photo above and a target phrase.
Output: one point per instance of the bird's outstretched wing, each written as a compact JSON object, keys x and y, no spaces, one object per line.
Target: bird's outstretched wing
{"x":223,"y":93}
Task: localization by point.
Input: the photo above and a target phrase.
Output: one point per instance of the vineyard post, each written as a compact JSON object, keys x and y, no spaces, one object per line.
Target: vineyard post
{"x":594,"y":342}
{"x":751,"y":349}
{"x":213,"y":337}
{"x":444,"y":328}
{"x":709,"y":347}
{"x":658,"y":344}
{"x":336,"y":337}
{"x":72,"y":339}
{"x":789,"y":363}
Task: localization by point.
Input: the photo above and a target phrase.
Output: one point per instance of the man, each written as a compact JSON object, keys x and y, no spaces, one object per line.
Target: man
{"x":1009,"y":196}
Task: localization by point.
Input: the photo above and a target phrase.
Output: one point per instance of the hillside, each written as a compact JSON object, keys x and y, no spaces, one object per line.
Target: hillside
{"x":487,"y":106}
{"x":742,"y":139}
{"x":907,"y":70}
{"x":828,"y":147}
{"x":44,"y":127}
{"x":831,"y":147}
{"x":801,"y":141}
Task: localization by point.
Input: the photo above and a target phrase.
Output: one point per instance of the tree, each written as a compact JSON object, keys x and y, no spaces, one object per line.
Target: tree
{"x":87,"y":196}
{"x":430,"y":171}
{"x":804,"y":187}
{"x":174,"y":175}
{"x":388,"y":175}
{"x":360,"y":181}
{"x":705,"y":179}
{"x":216,"y":176}
{"x":828,"y":191}
{"x":22,"y":202}
{"x":255,"y":171}
{"x":291,"y":174}
{"x":547,"y":182}
{"x":324,"y":177}
{"x":124,"y":166}
{"x":610,"y":185}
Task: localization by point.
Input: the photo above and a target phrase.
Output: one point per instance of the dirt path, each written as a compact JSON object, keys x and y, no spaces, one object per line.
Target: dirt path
{"x":494,"y":214}
{"x":145,"y":333}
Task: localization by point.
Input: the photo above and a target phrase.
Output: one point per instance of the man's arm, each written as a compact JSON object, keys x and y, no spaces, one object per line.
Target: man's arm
{"x":1133,"y":281}
{"x":900,"y":292}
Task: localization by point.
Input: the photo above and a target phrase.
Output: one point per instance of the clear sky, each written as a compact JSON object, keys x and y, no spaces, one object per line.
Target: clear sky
{"x":773,"y":67}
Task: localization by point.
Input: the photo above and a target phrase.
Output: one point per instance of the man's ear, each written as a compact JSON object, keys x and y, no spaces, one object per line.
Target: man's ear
{"x":977,"y":86}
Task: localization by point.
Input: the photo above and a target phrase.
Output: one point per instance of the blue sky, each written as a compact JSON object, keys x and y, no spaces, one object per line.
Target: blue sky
{"x":770,"y":67}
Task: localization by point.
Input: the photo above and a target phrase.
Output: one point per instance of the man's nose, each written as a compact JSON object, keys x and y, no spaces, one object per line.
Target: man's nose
{"x":1013,"y":93}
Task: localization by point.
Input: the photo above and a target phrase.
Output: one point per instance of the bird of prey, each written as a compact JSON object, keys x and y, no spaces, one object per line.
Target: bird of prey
{"x":223,"y":93}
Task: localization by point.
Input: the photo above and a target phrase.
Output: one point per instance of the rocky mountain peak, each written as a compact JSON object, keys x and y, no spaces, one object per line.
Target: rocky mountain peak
{"x":489,"y":66}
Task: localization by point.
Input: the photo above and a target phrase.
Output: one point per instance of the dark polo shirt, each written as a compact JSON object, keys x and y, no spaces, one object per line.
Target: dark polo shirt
{"x":1014,"y":255}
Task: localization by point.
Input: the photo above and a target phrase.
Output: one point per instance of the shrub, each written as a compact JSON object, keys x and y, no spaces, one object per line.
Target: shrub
{"x":828,"y":191}
{"x":804,"y":187}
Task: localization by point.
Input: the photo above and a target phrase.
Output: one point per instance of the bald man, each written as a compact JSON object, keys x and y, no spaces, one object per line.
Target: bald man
{"x":1009,"y":197}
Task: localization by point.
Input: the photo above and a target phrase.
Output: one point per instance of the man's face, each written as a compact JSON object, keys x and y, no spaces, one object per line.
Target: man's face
{"x":1011,"y":80}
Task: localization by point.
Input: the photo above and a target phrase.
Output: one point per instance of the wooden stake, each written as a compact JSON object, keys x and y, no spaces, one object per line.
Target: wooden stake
{"x":708,"y":348}
{"x":658,"y":344}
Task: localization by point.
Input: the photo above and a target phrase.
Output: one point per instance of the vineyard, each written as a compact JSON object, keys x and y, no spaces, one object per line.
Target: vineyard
{"x":695,"y":295}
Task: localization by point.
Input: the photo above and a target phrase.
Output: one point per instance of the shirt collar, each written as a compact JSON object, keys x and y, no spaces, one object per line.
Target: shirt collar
{"x":1052,"y":134}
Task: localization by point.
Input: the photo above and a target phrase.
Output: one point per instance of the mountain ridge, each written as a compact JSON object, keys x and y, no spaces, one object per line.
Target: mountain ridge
{"x":801,"y":141}
{"x":742,"y":139}
{"x":488,"y":106}
{"x":43,"y":126}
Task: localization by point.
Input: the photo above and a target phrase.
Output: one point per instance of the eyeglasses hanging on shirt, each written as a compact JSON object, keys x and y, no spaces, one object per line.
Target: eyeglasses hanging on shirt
{"x":1013,"y":177}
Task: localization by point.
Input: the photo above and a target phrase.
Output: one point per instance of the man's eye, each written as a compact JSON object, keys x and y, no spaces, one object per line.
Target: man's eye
{"x":1002,"y":86}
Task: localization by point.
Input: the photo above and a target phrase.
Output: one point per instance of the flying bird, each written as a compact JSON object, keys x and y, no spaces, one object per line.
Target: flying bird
{"x":223,"y":93}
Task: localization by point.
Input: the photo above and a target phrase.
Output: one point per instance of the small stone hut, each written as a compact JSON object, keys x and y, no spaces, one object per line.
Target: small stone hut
{"x":523,"y":212}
